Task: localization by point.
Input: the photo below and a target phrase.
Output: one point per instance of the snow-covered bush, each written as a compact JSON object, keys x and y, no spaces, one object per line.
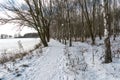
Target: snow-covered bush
{"x":74,"y":62}
{"x":20,"y":46}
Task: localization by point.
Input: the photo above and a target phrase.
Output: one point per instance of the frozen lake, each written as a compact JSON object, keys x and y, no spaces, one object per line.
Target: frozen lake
{"x":12,"y":44}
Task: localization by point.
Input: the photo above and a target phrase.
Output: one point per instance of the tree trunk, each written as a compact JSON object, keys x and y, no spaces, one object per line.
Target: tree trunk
{"x":108,"y":55}
{"x":107,"y":24}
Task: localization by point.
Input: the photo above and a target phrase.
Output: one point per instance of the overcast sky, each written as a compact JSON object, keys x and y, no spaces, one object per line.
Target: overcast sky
{"x":12,"y":29}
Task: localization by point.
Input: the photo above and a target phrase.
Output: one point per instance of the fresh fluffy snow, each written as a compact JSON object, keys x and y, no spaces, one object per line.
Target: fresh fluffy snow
{"x":82,"y":61}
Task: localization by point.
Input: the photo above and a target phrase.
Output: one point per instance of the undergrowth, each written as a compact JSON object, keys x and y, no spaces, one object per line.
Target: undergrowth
{"x":6,"y":57}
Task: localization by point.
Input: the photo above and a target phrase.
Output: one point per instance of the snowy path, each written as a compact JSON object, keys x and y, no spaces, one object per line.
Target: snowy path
{"x":59,"y":62}
{"x":52,"y":64}
{"x":49,"y":65}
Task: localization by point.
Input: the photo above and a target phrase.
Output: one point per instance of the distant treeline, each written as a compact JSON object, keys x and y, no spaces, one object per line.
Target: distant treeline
{"x":27,"y":35}
{"x":5,"y":36}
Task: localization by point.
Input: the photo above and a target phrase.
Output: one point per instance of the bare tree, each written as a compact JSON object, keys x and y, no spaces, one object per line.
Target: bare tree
{"x":86,"y":11}
{"x":108,"y":55}
{"x":35,"y":15}
{"x":114,"y":19}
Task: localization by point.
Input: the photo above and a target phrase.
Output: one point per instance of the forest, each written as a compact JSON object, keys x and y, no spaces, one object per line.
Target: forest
{"x":68,"y":22}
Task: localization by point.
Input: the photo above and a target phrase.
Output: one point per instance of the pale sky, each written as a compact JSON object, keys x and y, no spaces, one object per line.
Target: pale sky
{"x":12,"y":29}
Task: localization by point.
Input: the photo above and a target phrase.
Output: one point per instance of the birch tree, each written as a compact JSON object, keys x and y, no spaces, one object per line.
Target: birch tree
{"x":108,"y":55}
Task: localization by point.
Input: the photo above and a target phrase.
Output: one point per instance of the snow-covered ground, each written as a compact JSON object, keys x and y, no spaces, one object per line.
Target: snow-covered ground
{"x":59,"y":62}
{"x":14,"y":44}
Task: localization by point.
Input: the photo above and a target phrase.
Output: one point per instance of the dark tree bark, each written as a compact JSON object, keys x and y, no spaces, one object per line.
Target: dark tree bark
{"x":108,"y":55}
{"x":107,"y":24}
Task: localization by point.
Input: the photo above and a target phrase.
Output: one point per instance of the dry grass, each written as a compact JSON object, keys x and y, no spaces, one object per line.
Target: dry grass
{"x":6,"y":57}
